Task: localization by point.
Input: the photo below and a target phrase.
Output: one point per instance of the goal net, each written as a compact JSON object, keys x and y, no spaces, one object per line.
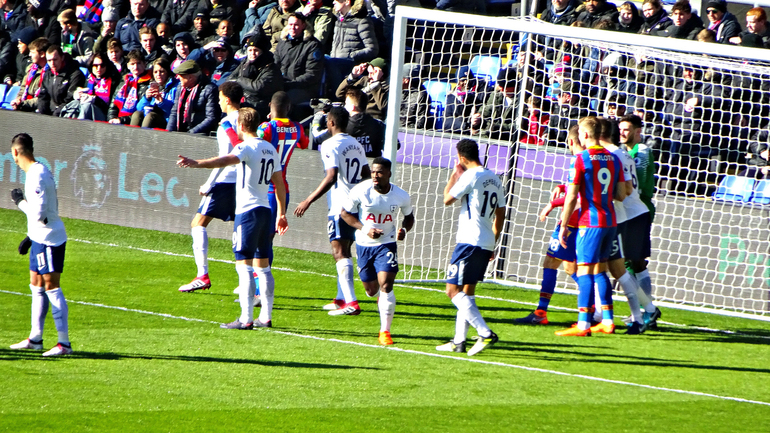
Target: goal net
{"x":515,"y":85}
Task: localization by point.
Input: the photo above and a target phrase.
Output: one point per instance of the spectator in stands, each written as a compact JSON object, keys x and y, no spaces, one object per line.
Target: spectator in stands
{"x":149,"y":43}
{"x":141,"y":15}
{"x":134,"y":85}
{"x":460,"y":104}
{"x":202,"y":28}
{"x":535,"y":125}
{"x":155,"y":106}
{"x":706,"y":35}
{"x":7,"y":55}
{"x":256,"y":14}
{"x":75,"y":41}
{"x":756,"y":24}
{"x":616,"y":81}
{"x":354,"y":41}
{"x":101,"y":85}
{"x":259,"y":76}
{"x":221,"y":10}
{"x":23,"y":59}
{"x":629,"y":20}
{"x":320,"y":20}
{"x":495,"y":118}
{"x":115,"y":54}
{"x":367,"y":130}
{"x":220,"y":61}
{"x":59,"y":6}
{"x":723,"y":23}
{"x":560,"y":12}
{"x":196,"y":107}
{"x":530,"y":73}
{"x":301,"y":59}
{"x":179,"y":14}
{"x":686,"y":25}
{"x":371,"y":78}
{"x":90,"y":13}
{"x":415,"y":103}
{"x":566,"y":112}
{"x":598,"y":10}
{"x":13,"y":16}
{"x":110,"y":20}
{"x":478,"y":7}
{"x":656,"y":18}
{"x":225,"y":30}
{"x":758,"y":157}
{"x":277,"y":19}
{"x":59,"y":82}
{"x":185,"y":49}
{"x":33,"y":78}
{"x":43,"y":20}
{"x":166,"y":44}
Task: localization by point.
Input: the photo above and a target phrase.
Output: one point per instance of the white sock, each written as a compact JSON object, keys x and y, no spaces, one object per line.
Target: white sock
{"x":461,"y":327}
{"x":60,"y":314}
{"x":345,"y":278}
{"x":201,"y":249}
{"x":646,"y":284}
{"x":246,"y":292}
{"x":472,"y":314}
{"x":630,"y":288}
{"x":39,"y":311}
{"x":340,"y":295}
{"x":387,"y":307}
{"x":267,"y":282}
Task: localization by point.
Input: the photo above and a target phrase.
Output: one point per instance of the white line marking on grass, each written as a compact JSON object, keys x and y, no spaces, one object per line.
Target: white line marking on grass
{"x":434,"y":355}
{"x":427,"y":289}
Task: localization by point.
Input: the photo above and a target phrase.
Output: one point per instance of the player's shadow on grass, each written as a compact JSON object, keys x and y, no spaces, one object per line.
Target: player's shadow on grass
{"x":12,"y":355}
{"x":744,"y":336}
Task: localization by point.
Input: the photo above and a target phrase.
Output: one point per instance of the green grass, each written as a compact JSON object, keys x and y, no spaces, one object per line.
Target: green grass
{"x":151,"y":373}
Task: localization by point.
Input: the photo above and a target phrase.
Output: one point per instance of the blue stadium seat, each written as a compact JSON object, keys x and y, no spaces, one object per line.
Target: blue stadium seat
{"x":84,"y":70}
{"x":437,"y":91}
{"x":9,"y":96}
{"x":486,"y":67}
{"x":761,"y":192}
{"x":735,"y":188}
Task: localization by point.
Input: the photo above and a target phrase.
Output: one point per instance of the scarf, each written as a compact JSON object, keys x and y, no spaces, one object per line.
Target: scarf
{"x":184,"y":111}
{"x":31,"y":75}
{"x":99,"y":87}
{"x":127,"y":98}
{"x":91,"y":12}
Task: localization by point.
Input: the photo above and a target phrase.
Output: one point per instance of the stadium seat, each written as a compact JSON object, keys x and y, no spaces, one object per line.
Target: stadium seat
{"x":486,"y":67}
{"x":9,"y":96}
{"x":84,"y":70}
{"x":735,"y":188}
{"x":761,"y":192}
{"x":437,"y":91}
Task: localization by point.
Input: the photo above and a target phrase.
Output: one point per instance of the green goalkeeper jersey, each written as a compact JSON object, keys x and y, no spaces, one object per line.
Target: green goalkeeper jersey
{"x":645,"y":171}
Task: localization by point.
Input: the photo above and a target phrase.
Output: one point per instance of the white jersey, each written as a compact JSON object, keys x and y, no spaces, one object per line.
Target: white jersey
{"x":632,"y":205}
{"x":42,"y":207}
{"x":620,"y":210}
{"x":259,"y":160}
{"x":481,"y":193}
{"x":226,"y":134}
{"x":344,"y":153}
{"x":377,"y":211}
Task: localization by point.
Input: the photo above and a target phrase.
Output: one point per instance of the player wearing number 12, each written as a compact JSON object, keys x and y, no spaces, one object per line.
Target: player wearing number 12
{"x":595,"y":176}
{"x":481,"y":221}
{"x":376,"y":202}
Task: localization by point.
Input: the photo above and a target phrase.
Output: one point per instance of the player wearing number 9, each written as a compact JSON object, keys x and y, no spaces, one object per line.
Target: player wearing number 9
{"x":594,"y":178}
{"x":482,"y":215}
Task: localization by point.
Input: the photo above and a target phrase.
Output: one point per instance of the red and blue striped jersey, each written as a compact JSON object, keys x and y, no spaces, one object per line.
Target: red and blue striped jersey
{"x":284,"y":135}
{"x":596,"y":172}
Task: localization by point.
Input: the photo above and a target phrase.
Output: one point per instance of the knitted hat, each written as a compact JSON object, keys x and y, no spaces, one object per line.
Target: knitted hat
{"x":718,"y":5}
{"x":110,"y":14}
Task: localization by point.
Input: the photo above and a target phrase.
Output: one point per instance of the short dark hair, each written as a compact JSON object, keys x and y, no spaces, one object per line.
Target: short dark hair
{"x":633,"y":119}
{"x":135,"y":55}
{"x":248,"y":118}
{"x":468,"y":149}
{"x":682,"y":6}
{"x":340,"y":116}
{"x":114,"y":44}
{"x":147,"y":30}
{"x":23,"y":142}
{"x":281,"y":103}
{"x":232,"y":91}
{"x":299,"y":16}
{"x":385,"y":162}
{"x":39,"y":44}
{"x":359,"y":98}
{"x":606,"y":128}
{"x":54,"y":49}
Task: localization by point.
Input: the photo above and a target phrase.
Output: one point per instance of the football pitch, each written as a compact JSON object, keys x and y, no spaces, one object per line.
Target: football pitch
{"x":152,"y":359}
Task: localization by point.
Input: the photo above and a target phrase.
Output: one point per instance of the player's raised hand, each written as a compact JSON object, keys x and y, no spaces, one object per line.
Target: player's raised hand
{"x":17,"y":195}
{"x":186,"y":162}
{"x":281,"y":225}
{"x":301,"y":209}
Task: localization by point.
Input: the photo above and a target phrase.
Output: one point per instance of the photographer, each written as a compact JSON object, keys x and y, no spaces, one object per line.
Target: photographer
{"x":367,"y":130}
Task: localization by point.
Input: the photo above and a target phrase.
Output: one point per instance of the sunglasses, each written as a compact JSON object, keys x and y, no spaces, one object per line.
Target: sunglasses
{"x":97,"y":65}
{"x":711,"y":11}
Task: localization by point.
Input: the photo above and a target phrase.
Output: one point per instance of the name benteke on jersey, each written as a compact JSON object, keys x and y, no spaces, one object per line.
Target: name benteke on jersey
{"x":286,"y":129}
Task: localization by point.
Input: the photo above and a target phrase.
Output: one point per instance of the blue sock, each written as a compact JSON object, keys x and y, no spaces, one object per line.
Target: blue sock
{"x":585,"y":293}
{"x":547,"y":288}
{"x":575,"y":278}
{"x":605,"y":293}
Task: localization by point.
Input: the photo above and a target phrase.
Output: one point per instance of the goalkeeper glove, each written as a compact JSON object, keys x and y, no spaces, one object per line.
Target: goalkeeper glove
{"x":17,"y":195}
{"x":24,"y":246}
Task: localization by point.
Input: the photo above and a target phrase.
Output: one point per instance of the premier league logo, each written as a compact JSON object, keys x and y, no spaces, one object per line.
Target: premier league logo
{"x":92,"y":184}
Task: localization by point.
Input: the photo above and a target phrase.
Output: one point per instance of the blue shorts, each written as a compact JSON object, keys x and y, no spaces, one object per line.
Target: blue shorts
{"x":468,"y":265}
{"x":339,"y":229}
{"x":594,"y":244}
{"x":274,"y":206}
{"x":219,"y":203}
{"x":45,"y":259}
{"x":372,"y":260}
{"x":557,"y":251}
{"x":638,"y":246}
{"x":253,"y":234}
{"x":618,"y":250}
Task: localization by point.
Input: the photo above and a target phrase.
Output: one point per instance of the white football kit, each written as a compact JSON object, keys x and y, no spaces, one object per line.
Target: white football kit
{"x":378,"y":211}
{"x":41,"y":206}
{"x":481,"y":193}
{"x":259,"y":160}
{"x":345,"y":153}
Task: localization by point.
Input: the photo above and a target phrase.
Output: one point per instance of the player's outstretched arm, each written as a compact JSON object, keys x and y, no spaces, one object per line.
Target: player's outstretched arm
{"x":281,"y":223}
{"x":326,"y":184}
{"x":221,"y":161}
{"x":406,"y":225}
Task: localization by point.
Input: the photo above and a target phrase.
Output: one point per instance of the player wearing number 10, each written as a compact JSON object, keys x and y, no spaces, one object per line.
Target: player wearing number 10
{"x":595,"y":176}
{"x":481,"y":221}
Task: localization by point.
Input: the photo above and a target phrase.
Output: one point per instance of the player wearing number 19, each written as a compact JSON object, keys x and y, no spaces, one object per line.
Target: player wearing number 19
{"x":376,"y":202}
{"x":481,"y":221}
{"x":253,"y":229}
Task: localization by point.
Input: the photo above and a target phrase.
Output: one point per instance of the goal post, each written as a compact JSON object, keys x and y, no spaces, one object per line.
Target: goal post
{"x":703,"y":115}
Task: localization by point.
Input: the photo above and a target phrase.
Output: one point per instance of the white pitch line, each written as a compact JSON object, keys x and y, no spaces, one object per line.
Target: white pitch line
{"x":434,"y":355}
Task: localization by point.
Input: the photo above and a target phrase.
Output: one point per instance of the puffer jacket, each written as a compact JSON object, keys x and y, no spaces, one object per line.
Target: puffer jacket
{"x":727,"y":28}
{"x":205,"y":109}
{"x":300,"y":60}
{"x":354,"y":37}
{"x":259,"y":80}
{"x":276,"y":21}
